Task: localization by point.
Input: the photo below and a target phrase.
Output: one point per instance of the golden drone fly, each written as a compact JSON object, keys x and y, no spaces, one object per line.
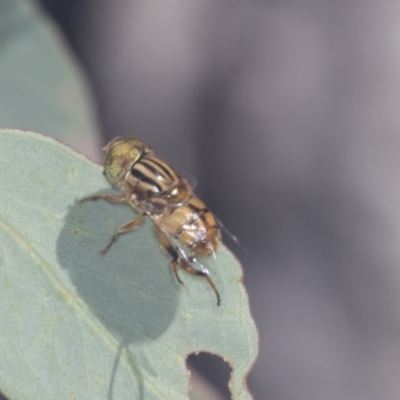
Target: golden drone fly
{"x":154,"y":189}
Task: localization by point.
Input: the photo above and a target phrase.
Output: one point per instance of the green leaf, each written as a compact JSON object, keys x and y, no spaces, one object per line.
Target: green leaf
{"x":76,"y":325}
{"x":41,"y":87}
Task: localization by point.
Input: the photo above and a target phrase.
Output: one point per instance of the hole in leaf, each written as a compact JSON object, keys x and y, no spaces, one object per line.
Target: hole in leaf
{"x":209,"y":369}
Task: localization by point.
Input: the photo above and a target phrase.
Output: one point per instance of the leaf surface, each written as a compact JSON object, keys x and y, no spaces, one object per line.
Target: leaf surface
{"x":76,"y":325}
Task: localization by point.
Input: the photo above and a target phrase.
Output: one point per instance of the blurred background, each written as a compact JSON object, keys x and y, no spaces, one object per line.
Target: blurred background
{"x":287,"y":113}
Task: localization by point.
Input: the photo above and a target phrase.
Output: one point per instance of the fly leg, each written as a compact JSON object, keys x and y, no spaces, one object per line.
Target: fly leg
{"x":180,"y":258}
{"x":167,"y":246}
{"x":112,"y":198}
{"x":185,"y":264}
{"x":129,"y":226}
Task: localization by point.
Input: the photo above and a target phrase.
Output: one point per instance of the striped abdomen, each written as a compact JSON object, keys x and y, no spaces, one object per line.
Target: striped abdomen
{"x":192,"y":224}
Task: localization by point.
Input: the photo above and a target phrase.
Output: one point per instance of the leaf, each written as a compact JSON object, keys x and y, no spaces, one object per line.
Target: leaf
{"x":41,"y":87}
{"x":76,"y":325}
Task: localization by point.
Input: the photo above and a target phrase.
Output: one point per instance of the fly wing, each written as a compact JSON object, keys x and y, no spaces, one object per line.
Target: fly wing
{"x":190,"y":179}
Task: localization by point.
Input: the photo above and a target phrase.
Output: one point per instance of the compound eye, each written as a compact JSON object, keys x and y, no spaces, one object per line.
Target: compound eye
{"x":121,"y":155}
